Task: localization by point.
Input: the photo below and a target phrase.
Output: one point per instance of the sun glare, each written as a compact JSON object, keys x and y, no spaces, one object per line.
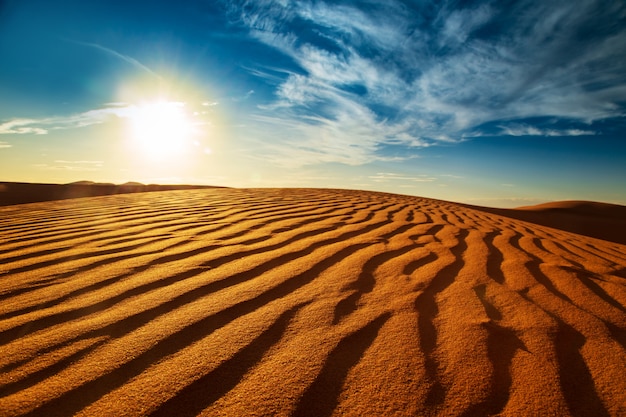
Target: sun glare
{"x":160,"y":129}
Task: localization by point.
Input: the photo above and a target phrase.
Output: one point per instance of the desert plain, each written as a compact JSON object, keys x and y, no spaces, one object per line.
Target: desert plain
{"x":309,"y":302}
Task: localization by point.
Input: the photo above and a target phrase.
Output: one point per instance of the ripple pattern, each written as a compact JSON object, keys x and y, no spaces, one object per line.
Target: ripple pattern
{"x":304,"y":302}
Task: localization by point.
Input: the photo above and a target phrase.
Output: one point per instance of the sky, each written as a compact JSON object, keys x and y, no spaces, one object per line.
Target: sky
{"x":494,"y":103}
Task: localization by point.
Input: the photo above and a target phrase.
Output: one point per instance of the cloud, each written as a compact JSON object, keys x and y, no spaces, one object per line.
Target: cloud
{"x":5,"y":145}
{"x":459,"y":24}
{"x":525,"y":130}
{"x":95,"y":163}
{"x":239,"y":99}
{"x":506,"y":202}
{"x":87,"y":118}
{"x":341,"y":130}
{"x":21,"y":127}
{"x":367,"y":75}
{"x":74,"y":166}
{"x":390,"y":176}
{"x":44,"y":125}
{"x":130,"y":60}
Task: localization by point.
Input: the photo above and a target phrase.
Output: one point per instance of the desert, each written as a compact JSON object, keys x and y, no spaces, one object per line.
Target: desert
{"x":297,"y":302}
{"x":313,"y":208}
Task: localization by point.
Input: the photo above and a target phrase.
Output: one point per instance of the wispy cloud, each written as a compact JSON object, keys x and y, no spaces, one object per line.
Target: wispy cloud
{"x":521,"y":129}
{"x":74,"y":166}
{"x":507,"y":202}
{"x":390,"y":176}
{"x":128,"y":59}
{"x":101,"y":115}
{"x":386,"y":72}
{"x":525,"y":130}
{"x":44,"y":125}
{"x":21,"y":127}
{"x":5,"y":145}
{"x":94,"y":163}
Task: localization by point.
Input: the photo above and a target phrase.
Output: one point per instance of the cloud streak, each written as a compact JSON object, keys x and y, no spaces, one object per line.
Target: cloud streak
{"x":390,"y":72}
{"x":21,"y":127}
{"x":45,"y":125}
{"x":128,"y":59}
{"x":90,"y":117}
{"x":524,"y":130}
{"x":73,"y":166}
{"x":390,"y":176}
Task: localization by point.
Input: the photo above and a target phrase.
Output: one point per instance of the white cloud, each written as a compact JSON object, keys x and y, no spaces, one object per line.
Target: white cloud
{"x":526,"y":130}
{"x":341,"y":128}
{"x":390,"y":176}
{"x":74,"y":166}
{"x":505,"y":202}
{"x":410,"y":75}
{"x":530,"y":42}
{"x":95,"y":163}
{"x":74,"y":121}
{"x":381,"y":29}
{"x":44,"y":125}
{"x":460,"y":23}
{"x":351,"y":135}
{"x":5,"y":145}
{"x":21,"y":127}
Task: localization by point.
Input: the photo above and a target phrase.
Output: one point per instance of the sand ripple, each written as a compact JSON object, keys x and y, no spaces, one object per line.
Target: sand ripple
{"x":304,"y":302}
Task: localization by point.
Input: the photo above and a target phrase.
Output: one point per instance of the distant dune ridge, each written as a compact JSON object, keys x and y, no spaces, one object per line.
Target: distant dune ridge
{"x":24,"y":192}
{"x":589,"y":218}
{"x":304,"y":302}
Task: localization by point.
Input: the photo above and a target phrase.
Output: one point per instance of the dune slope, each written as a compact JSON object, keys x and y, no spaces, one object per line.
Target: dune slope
{"x":304,"y":302}
{"x":599,"y":220}
{"x":21,"y":192}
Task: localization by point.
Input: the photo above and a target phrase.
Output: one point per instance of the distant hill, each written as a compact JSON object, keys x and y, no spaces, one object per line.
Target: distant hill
{"x":21,"y":192}
{"x":600,"y":220}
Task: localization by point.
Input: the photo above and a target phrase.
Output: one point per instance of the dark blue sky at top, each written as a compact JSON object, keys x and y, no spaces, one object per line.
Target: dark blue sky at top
{"x":348,"y":82}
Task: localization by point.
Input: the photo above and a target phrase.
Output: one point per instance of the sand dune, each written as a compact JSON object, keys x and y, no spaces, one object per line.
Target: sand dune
{"x":589,"y":218}
{"x":23,"y":192}
{"x":304,"y":302}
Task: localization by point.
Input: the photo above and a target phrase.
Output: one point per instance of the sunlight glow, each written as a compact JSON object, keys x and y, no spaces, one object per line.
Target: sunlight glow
{"x":160,"y":129}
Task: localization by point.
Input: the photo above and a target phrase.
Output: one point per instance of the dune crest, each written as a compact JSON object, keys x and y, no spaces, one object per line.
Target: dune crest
{"x":304,"y":302}
{"x":600,"y":220}
{"x":12,"y":193}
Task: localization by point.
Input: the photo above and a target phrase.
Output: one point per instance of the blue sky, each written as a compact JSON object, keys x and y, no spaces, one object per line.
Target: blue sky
{"x":499,"y":103}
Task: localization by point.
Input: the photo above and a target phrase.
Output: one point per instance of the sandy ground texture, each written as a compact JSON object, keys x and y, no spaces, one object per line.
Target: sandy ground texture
{"x":249,"y":302}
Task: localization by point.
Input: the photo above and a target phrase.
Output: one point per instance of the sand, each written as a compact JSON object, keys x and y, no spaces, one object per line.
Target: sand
{"x":24,"y":192}
{"x":600,"y":220}
{"x":304,"y":302}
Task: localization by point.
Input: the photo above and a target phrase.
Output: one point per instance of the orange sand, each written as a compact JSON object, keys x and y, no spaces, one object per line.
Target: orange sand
{"x":304,"y":302}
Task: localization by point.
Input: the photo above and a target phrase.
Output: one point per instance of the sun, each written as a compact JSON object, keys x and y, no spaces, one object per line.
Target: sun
{"x":160,"y":129}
